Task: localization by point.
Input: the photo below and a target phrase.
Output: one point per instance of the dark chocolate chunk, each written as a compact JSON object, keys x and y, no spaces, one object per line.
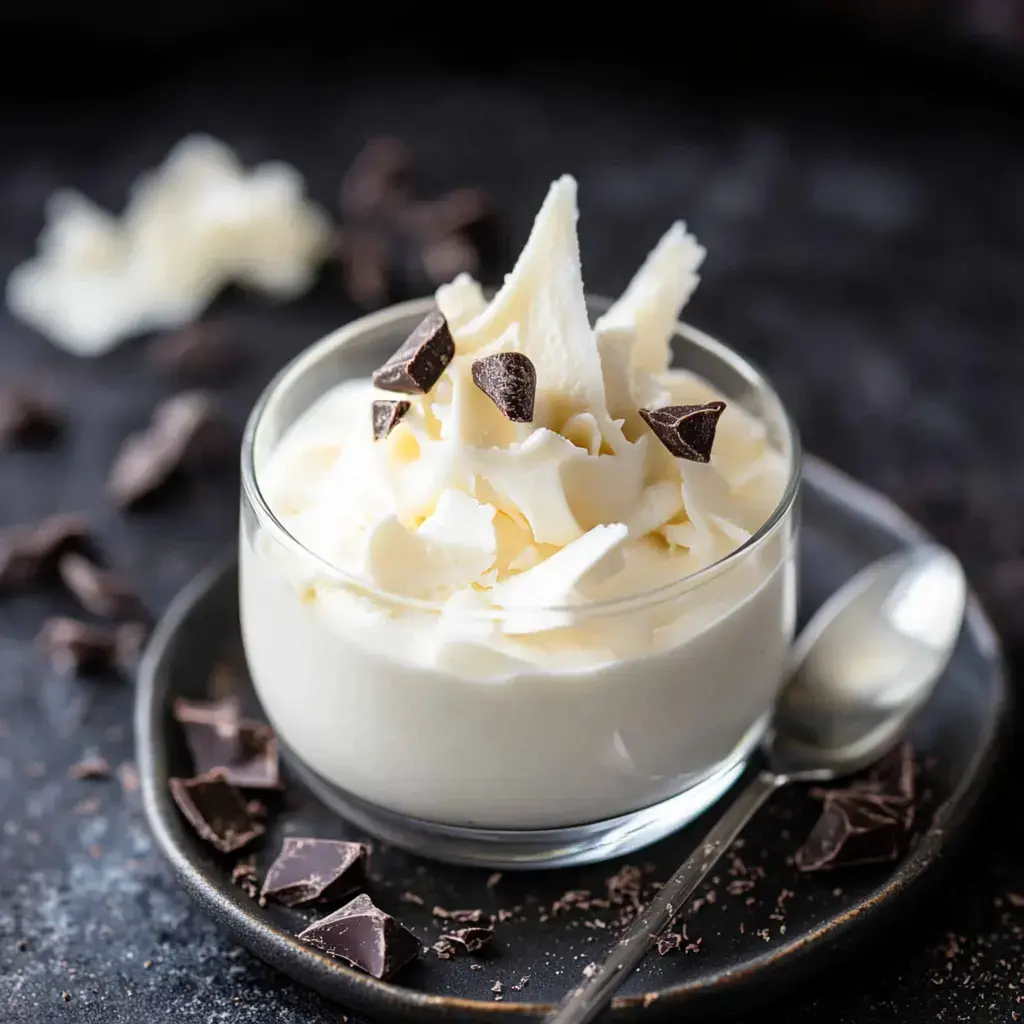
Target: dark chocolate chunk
{"x":509,"y":380}
{"x":29,"y":554}
{"x":219,"y":738}
{"x":415,"y":368}
{"x":27,"y":419}
{"x":216,"y":810}
{"x":386,"y":416}
{"x":184,"y":429}
{"x":364,"y":936}
{"x":687,"y":431}
{"x":308,"y":870}
{"x":849,"y":832}
{"x":471,"y":939}
{"x":79,"y":648}
{"x":198,"y":352}
{"x":98,"y":590}
{"x":92,"y":767}
{"x":377,"y":183}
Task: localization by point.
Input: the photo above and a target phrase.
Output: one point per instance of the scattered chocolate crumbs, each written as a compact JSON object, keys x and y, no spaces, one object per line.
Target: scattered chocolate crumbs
{"x":29,"y":553}
{"x":470,"y":939}
{"x":473,"y":916}
{"x":199,"y":352}
{"x":308,"y":870}
{"x":476,"y":967}
{"x":386,"y":416}
{"x":83,"y":649}
{"x":444,"y":949}
{"x":388,"y":238}
{"x":97,"y":590}
{"x":420,"y":360}
{"x":243,"y":874}
{"x":687,"y":431}
{"x":509,"y":380}
{"x":523,"y":982}
{"x":497,"y":988}
{"x":185,"y":429}
{"x":92,"y":767}
{"x":218,"y":737}
{"x":361,"y":934}
{"x":27,"y":420}
{"x":493,"y":880}
{"x":216,"y":811}
{"x":411,"y":897}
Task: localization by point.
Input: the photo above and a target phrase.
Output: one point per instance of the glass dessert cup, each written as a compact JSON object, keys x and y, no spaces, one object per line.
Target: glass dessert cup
{"x":536,"y":766}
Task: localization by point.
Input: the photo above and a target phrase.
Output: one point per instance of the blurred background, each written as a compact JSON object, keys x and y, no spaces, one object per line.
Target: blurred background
{"x":855,"y":169}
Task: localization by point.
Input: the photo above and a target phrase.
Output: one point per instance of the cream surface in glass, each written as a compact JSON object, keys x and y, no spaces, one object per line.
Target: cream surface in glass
{"x":522,"y":643}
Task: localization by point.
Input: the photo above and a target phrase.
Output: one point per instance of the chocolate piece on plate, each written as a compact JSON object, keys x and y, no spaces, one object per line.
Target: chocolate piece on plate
{"x":29,"y":554}
{"x":418,"y":364}
{"x":308,"y":870}
{"x":26,"y":419}
{"x":687,"y":431}
{"x":471,"y":939}
{"x":509,"y":380}
{"x":851,"y":831}
{"x":386,"y":416}
{"x":79,"y":648}
{"x":184,"y":428}
{"x":219,"y":738}
{"x":92,"y":767}
{"x":215,"y":810}
{"x":97,"y":589}
{"x":364,"y":936}
{"x":198,"y":352}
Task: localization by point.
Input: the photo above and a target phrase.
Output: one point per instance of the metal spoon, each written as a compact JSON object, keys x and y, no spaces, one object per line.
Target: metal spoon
{"x":865,"y":663}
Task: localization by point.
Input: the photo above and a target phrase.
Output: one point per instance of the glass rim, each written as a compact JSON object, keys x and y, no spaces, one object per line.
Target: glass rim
{"x":417,"y":309}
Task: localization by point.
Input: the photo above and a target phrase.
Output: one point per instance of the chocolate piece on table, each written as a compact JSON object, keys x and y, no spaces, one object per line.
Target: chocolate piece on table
{"x":26,"y":419}
{"x":92,"y":767}
{"x":198,"y":352}
{"x":215,"y":810}
{"x":687,"y":431}
{"x":29,"y":554}
{"x":308,"y":870}
{"x":219,"y":738}
{"x":849,"y":832}
{"x":415,"y":368}
{"x":364,"y":936}
{"x":97,"y":589}
{"x":183,"y":428}
{"x":471,"y":939}
{"x":79,"y":648}
{"x":509,"y":380}
{"x":386,"y":416}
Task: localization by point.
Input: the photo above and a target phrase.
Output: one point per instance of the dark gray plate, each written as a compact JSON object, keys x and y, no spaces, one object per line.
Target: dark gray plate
{"x":751,"y":942}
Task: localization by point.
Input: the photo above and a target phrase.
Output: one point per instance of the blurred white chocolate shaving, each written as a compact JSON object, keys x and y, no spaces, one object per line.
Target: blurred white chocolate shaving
{"x":196,"y":224}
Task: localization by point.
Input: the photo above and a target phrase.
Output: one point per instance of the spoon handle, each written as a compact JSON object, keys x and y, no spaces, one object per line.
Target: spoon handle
{"x":586,"y":1001}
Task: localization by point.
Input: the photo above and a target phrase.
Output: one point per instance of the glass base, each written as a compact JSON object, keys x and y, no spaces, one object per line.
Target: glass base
{"x":529,"y":849}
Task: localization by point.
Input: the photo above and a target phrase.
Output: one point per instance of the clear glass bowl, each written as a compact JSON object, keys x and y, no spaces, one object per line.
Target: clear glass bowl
{"x":534,"y":767}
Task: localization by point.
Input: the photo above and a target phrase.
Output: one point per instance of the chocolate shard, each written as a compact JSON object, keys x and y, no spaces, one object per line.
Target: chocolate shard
{"x":198,"y":352}
{"x":509,"y":380}
{"x":687,"y":431}
{"x":386,"y":416}
{"x":78,"y":648}
{"x":309,"y":870}
{"x":27,"y":419}
{"x":850,"y":832}
{"x":185,"y":428}
{"x":220,"y":739}
{"x":415,"y":368}
{"x":471,"y":939}
{"x":361,"y":934}
{"x":215,"y":810}
{"x":98,"y":590}
{"x":29,"y":554}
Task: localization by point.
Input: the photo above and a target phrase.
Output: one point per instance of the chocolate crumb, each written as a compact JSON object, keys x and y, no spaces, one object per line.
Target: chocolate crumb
{"x":97,"y":590}
{"x":78,"y":648}
{"x":687,"y":431}
{"x":473,"y":916}
{"x":420,"y":360}
{"x":91,"y":767}
{"x":27,"y":420}
{"x":411,"y":897}
{"x":497,"y":988}
{"x":470,"y":939}
{"x":243,"y":874}
{"x":66,"y":996}
{"x":509,"y":380}
{"x":669,"y":942}
{"x":386,"y":416}
{"x":493,"y":880}
{"x":21,"y":945}
{"x":444,"y":949}
{"x":29,"y":553}
{"x":128,"y":776}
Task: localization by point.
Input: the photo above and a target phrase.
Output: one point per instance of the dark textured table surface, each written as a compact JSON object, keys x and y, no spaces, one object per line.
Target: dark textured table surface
{"x":869,"y":254}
